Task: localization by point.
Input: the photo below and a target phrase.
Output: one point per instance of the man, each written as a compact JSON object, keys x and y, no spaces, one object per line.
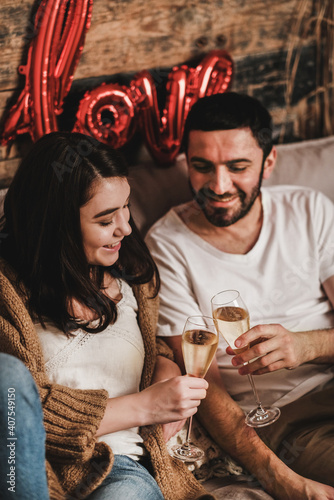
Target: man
{"x":276,"y":246}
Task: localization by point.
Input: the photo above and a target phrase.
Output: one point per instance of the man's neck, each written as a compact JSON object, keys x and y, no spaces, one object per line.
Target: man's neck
{"x":239,"y":238}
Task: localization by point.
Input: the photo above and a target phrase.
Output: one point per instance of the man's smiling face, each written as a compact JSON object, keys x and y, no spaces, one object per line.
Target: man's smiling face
{"x":225,"y":173}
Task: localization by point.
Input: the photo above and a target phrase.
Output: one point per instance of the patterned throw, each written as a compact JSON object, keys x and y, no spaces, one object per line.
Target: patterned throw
{"x":216,"y":463}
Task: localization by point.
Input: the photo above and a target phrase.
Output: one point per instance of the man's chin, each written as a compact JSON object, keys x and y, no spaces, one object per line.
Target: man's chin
{"x":224,"y":217}
{"x":219,"y":219}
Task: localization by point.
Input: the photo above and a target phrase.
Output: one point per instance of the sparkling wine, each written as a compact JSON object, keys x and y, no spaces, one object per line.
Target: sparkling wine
{"x":231,"y":322}
{"x":198,"y":348}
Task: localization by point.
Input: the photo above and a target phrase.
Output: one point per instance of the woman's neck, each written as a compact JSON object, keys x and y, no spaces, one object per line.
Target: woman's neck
{"x":109,"y":287}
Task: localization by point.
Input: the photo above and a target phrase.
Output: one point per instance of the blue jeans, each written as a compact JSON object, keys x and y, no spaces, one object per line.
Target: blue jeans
{"x":127,"y":480}
{"x":22,"y":434}
{"x":22,"y":447}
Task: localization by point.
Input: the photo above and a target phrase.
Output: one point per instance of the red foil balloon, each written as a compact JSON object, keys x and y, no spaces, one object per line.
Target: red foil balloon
{"x":137,"y":106}
{"x":53,"y":54}
{"x":163,"y":135}
{"x":212,"y":76}
{"x":108,"y":114}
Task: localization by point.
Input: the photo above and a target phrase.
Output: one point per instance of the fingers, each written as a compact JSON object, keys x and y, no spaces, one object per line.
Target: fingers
{"x":195,"y":382}
{"x":258,"y":333}
{"x":272,"y":348}
{"x":169,"y":430}
{"x":183,"y":393}
{"x":172,"y":400}
{"x":259,"y":367}
{"x":190,"y":388}
{"x":195,"y":388}
{"x":257,"y":352}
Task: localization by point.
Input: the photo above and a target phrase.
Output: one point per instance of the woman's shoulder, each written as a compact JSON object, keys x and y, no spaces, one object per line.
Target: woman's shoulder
{"x":145,"y":290}
{"x":147,"y":300}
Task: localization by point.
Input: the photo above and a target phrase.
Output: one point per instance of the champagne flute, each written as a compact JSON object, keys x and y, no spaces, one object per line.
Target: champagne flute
{"x":232,"y":319}
{"x":199,"y":345}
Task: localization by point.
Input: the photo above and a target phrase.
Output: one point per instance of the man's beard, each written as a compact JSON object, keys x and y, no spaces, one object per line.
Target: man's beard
{"x":223,"y":217}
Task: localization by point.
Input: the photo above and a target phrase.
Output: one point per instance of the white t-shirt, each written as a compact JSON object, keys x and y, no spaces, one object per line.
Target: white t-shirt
{"x":279,"y":279}
{"x":112,"y":360}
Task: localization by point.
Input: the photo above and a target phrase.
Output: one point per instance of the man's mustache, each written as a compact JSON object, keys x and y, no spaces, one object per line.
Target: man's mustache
{"x":208,"y":193}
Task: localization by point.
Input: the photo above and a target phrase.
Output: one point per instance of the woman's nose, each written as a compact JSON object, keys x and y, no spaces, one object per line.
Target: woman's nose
{"x":123,"y":226}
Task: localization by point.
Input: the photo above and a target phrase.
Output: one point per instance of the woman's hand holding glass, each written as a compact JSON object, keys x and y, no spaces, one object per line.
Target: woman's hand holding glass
{"x":166,"y":401}
{"x":173,"y":399}
{"x":199,"y":345}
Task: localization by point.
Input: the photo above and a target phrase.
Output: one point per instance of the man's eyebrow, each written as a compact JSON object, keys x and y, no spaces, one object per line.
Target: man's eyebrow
{"x":238,"y":160}
{"x":201,"y":160}
{"x":228,"y":163}
{"x":109,"y":211}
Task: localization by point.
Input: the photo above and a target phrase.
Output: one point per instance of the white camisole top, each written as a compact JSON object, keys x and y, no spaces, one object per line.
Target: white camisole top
{"x":112,"y":360}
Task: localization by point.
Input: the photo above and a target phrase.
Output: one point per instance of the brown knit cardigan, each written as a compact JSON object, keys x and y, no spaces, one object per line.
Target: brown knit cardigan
{"x":76,"y":463}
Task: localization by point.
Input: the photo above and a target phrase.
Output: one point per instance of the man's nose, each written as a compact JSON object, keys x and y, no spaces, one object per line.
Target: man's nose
{"x":221,"y":181}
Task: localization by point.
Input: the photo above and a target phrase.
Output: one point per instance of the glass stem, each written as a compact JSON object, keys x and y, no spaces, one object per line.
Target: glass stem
{"x":187,"y":442}
{"x":256,"y":395}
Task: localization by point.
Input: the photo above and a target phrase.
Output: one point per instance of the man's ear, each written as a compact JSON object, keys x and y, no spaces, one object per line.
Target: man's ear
{"x":269,"y":163}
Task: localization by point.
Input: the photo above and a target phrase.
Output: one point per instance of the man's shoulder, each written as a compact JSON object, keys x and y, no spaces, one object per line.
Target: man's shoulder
{"x":286,"y":189}
{"x":285,"y":193}
{"x":297,"y":202}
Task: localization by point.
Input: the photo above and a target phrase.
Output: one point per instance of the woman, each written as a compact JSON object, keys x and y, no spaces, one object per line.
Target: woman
{"x":79,"y":308}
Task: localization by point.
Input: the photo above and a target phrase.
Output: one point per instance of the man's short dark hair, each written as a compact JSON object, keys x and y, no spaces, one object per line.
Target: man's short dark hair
{"x":231,"y":111}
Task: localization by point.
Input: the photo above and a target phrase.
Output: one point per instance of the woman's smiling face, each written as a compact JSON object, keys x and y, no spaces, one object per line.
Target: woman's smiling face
{"x":104,"y":221}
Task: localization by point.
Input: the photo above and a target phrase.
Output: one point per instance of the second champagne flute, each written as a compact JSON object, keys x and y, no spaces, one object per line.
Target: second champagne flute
{"x":232,"y":320}
{"x":199,"y":345}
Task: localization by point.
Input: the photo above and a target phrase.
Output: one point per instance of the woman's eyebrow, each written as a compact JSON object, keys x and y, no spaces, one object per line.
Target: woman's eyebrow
{"x":109,"y":211}
{"x":105,"y":212}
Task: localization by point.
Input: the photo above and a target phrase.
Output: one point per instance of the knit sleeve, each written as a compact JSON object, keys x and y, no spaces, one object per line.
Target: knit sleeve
{"x":164,"y":350}
{"x":71,"y":419}
{"x":71,"y":416}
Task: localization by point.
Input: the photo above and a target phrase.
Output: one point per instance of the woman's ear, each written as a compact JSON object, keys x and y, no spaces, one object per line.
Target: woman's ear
{"x":269,"y":163}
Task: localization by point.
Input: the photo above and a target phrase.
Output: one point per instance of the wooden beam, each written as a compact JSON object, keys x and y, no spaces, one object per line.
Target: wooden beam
{"x":134,"y":35}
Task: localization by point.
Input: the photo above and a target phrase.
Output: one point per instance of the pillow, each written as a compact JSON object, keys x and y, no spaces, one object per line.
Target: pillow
{"x":306,"y":163}
{"x":156,"y":189}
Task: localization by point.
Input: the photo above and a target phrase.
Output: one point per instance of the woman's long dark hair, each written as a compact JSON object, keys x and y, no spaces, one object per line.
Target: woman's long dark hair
{"x":43,"y":236}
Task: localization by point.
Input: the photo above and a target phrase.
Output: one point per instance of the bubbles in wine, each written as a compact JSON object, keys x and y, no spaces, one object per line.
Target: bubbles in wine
{"x":231,"y":322}
{"x":198,"y":347}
